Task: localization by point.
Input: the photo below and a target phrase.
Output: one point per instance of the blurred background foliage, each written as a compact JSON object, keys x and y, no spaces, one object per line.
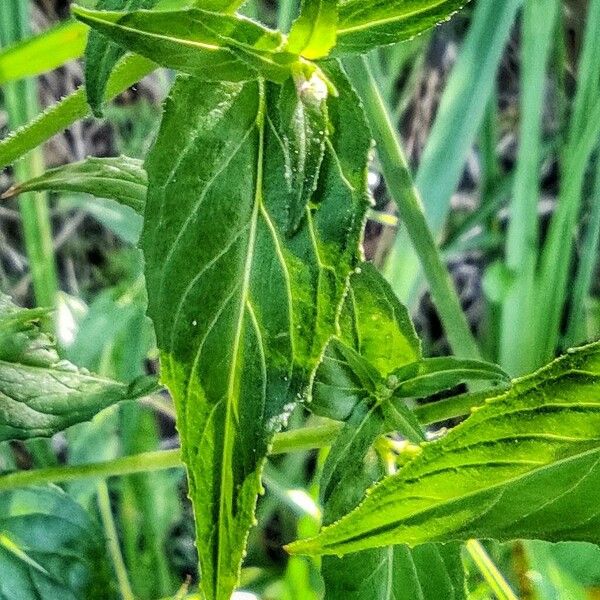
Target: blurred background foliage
{"x":498,"y":110}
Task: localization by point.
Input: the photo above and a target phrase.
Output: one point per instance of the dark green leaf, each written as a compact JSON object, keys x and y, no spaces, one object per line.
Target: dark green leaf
{"x":524,"y":465}
{"x":378,"y":337}
{"x":101,"y":55}
{"x":365,"y":24}
{"x":314,"y":33}
{"x":50,"y":549}
{"x":242,"y":310}
{"x":122,"y":179}
{"x":40,"y":394}
{"x":213,"y":46}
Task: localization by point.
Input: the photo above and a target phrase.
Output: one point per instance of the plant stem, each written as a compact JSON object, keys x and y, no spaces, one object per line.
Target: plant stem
{"x":112,"y":542}
{"x":22,"y":105}
{"x":296,"y":440}
{"x":490,"y":572}
{"x":459,"y":117}
{"x":289,"y":441}
{"x":403,"y":191}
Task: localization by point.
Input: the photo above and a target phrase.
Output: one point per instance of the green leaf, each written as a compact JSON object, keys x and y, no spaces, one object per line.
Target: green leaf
{"x":432,"y":375}
{"x":304,"y":123}
{"x":213,"y":46}
{"x":121,"y":178}
{"x":314,"y":33}
{"x":68,"y":110}
{"x":524,"y":465}
{"x":429,"y":572}
{"x":376,"y":337}
{"x":41,"y":394}
{"x":376,"y":324}
{"x":242,"y":309}
{"x":365,"y":24}
{"x":50,"y":548}
{"x":102,"y":55}
{"x":44,"y":52}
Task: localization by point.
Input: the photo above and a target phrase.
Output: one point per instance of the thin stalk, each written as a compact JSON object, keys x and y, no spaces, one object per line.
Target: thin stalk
{"x":22,"y":105}
{"x":490,"y":571}
{"x":290,"y":441}
{"x":403,"y":191}
{"x":459,"y":117}
{"x":296,"y":440}
{"x":517,"y":338}
{"x":112,"y":542}
{"x":588,"y":261}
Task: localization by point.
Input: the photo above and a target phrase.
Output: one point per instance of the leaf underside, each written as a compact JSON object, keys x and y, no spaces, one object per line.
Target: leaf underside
{"x":242,"y":308}
{"x":120,"y":178}
{"x":41,"y":395}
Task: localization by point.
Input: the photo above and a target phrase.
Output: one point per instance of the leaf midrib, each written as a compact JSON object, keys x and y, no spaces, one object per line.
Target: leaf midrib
{"x":463,"y":498}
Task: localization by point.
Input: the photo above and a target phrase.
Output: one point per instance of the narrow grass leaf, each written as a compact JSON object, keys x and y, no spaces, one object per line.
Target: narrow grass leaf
{"x":43,"y":52}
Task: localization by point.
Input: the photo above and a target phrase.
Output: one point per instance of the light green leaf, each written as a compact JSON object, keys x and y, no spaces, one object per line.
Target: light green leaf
{"x":121,"y":178}
{"x":242,"y":309}
{"x":365,"y":24}
{"x":44,"y":52}
{"x":50,"y":548}
{"x":213,"y":46}
{"x":304,"y":123}
{"x":314,"y":33}
{"x":68,"y":110}
{"x":524,"y":465}
{"x":40,"y":394}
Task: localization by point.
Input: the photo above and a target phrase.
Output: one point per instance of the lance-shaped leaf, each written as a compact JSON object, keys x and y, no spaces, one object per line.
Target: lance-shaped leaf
{"x":524,"y":465}
{"x":242,"y":309}
{"x":211,"y":46}
{"x":314,"y":32}
{"x":366,"y":24}
{"x":121,"y":178}
{"x":40,"y":394}
{"x":102,"y":55}
{"x":50,"y":548}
